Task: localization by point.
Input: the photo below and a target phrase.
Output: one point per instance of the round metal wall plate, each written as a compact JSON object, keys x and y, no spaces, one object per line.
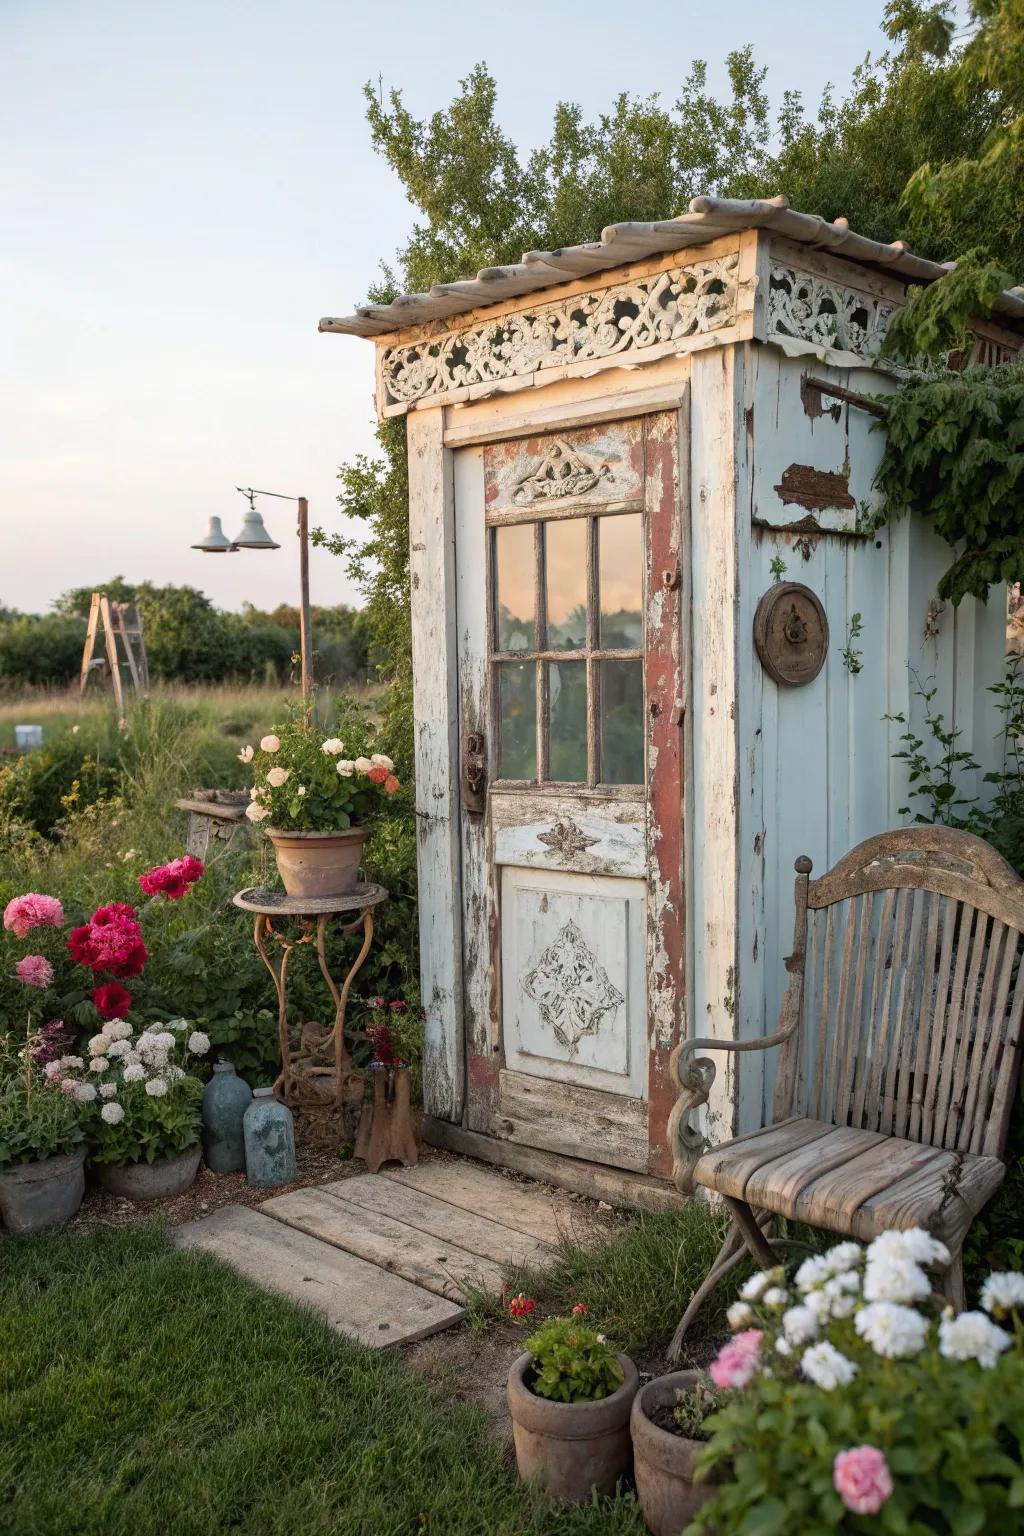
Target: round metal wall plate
{"x":791,"y":634}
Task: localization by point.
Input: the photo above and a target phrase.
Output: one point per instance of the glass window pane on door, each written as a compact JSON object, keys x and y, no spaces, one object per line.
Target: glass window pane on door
{"x":621,"y":582}
{"x":567,"y":716}
{"x":517,"y":710}
{"x":621,"y":725}
{"x":565,"y":583}
{"x":515,"y":568}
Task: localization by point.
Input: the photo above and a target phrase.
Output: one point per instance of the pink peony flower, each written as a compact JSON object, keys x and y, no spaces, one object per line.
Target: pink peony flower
{"x":23,"y":913}
{"x":173,"y":879}
{"x":110,"y":941}
{"x":34,"y":971}
{"x":737,"y":1361}
{"x":862,"y":1479}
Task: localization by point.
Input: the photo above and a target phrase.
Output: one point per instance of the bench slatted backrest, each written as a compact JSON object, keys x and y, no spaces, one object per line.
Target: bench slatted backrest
{"x":913,"y":991}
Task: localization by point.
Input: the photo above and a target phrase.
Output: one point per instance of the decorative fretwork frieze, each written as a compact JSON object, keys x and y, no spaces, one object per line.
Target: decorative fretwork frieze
{"x":805,"y":307}
{"x":646,"y":312}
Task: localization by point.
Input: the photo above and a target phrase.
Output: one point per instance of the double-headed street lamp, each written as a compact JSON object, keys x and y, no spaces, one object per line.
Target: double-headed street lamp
{"x":255,"y":536}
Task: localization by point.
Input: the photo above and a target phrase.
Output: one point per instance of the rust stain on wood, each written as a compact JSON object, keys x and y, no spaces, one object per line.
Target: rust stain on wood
{"x":815,"y":489}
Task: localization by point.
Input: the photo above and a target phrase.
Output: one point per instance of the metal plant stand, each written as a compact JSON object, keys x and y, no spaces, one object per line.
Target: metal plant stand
{"x":318,"y":1080}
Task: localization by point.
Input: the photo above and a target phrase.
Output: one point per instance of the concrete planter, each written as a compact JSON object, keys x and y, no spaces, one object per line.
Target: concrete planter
{"x":571,"y":1448}
{"x":663,"y":1462}
{"x":36,"y":1196}
{"x":153,"y":1181}
{"x":319,"y":864}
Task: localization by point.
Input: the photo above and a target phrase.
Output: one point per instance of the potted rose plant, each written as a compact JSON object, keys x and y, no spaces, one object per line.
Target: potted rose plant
{"x":316,"y":803}
{"x":42,"y":1139}
{"x":855,"y":1400}
{"x":570,"y":1395}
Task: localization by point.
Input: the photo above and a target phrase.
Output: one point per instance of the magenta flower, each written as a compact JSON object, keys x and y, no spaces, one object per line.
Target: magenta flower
{"x":862,"y":1479}
{"x":34,"y":971}
{"x":737,"y":1361}
{"x":23,"y":913}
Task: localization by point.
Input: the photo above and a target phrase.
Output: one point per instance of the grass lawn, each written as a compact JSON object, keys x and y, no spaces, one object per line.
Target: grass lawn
{"x":145,"y":1391}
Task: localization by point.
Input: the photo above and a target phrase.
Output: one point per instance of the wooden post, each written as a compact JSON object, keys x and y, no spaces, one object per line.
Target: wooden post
{"x":90,"y":643}
{"x":110,"y":639}
{"x":305,"y":656}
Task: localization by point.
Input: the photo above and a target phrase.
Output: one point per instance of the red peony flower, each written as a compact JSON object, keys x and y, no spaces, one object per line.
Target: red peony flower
{"x":117,"y":912}
{"x":110,"y":941}
{"x":174,"y":879}
{"x":521,"y":1306}
{"x":112,"y":1001}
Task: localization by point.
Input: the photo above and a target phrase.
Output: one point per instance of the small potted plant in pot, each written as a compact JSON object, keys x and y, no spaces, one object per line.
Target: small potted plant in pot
{"x":316,"y":803}
{"x":570,"y":1396}
{"x":42,"y":1140}
{"x":667,"y":1428}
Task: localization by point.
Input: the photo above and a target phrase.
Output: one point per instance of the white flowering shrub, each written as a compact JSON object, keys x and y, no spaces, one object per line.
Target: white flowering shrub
{"x":143,"y":1097}
{"x":303,"y":781}
{"x":853,"y":1399}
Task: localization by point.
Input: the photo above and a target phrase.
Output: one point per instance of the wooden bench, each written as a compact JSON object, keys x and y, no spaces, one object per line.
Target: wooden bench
{"x":900,"y":1050}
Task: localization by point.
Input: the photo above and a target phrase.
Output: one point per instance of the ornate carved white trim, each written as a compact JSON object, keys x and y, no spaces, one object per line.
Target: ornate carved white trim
{"x":667,"y":306}
{"x":571,"y":988}
{"x":808,"y":308}
{"x":567,"y":838}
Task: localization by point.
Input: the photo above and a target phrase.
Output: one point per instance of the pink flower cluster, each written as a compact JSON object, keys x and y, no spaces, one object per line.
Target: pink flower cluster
{"x":52,"y":1042}
{"x":34,"y":971}
{"x":23,"y":913}
{"x":173,"y":879}
{"x":862,"y":1479}
{"x":737,"y":1361}
{"x":110,"y":941}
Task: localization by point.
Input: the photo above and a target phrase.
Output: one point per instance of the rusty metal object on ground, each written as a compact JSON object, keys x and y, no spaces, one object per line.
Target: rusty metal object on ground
{"x":386,"y":1133}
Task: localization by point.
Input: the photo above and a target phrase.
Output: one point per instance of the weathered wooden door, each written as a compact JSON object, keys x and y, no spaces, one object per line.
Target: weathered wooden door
{"x":570,"y":588}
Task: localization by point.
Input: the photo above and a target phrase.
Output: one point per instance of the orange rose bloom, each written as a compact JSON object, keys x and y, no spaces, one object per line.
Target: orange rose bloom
{"x":391,"y":784}
{"x":377,"y":774}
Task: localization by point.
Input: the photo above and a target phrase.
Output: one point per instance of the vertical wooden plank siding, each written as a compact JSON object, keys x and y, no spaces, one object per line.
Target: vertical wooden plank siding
{"x":436,"y":710}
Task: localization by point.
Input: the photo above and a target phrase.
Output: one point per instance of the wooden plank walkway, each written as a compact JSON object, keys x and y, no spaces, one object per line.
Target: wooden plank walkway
{"x":389,"y":1258}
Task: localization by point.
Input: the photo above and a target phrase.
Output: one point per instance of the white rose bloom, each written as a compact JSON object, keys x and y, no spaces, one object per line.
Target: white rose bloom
{"x":270,"y":744}
{"x":108,"y":1090}
{"x":844,"y":1256}
{"x":775,"y":1296}
{"x":783,"y":1346}
{"x":914,"y":1244}
{"x":254,"y":792}
{"x":826,"y":1367}
{"x":334,"y":747}
{"x":346,"y":767}
{"x":72,"y":1061}
{"x":118,"y":1029}
{"x":278,"y":776}
{"x":380,"y":761}
{"x":301,"y":791}
{"x":820,"y":1304}
{"x":113,"y":1114}
{"x":892,"y":1330}
{"x":156,"y":1087}
{"x":85,"y":1092}
{"x":842,"y":1299}
{"x":800,"y":1325}
{"x":972,"y":1336}
{"x":135,"y":1072}
{"x":754,"y":1288}
{"x":256,"y":812}
{"x":363,"y":765}
{"x":245,"y":756}
{"x":52,"y":1069}
{"x":900,"y":1280}
{"x":813,"y":1271}
{"x":198,"y":1043}
{"x":738,"y":1315}
{"x":1002,"y":1292}
{"x":99,"y":1064}
{"x":98,"y":1045}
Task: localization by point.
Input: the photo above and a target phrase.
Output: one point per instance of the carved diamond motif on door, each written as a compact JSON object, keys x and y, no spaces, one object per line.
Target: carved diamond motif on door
{"x":571,"y":988}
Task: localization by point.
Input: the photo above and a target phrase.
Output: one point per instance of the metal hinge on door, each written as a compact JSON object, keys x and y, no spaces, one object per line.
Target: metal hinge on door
{"x":474,"y":773}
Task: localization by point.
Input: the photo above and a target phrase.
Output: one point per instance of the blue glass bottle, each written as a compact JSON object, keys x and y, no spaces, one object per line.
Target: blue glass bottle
{"x":269,"y":1141}
{"x":226,"y":1098}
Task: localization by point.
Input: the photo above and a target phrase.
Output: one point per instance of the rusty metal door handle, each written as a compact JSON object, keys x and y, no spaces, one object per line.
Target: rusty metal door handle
{"x":474,"y":773}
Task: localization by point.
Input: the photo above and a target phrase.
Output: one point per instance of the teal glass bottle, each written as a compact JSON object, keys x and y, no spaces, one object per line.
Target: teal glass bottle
{"x":226,"y":1098}
{"x":269,"y":1141}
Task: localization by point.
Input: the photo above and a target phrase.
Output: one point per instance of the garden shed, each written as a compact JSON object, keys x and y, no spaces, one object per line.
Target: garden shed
{"x":657,"y":645}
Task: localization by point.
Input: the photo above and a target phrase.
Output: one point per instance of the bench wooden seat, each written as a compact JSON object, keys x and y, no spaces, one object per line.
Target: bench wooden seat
{"x":900,"y":1046}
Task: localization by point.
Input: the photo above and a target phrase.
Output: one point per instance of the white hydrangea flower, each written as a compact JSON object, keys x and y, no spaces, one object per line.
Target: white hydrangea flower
{"x":345,"y":767}
{"x":156,"y":1087}
{"x":800,"y":1325}
{"x":130,"y":1058}
{"x":754,"y":1288}
{"x":775,"y":1296}
{"x":278,"y":776}
{"x":51,"y":1069}
{"x":198,"y":1043}
{"x":73,"y":1062}
{"x":841,"y":1296}
{"x":98,"y":1045}
{"x":1002,"y":1292}
{"x":174,"y":1074}
{"x":118,"y":1029}
{"x":113,"y":1114}
{"x":820,"y":1303}
{"x":108,"y":1090}
{"x":843,"y":1257}
{"x":914,"y":1244}
{"x":270,"y":743}
{"x":813,"y":1271}
{"x":99,"y":1064}
{"x":118,"y":1048}
{"x":892,"y":1330}
{"x":333,"y":747}
{"x":165,"y":1040}
{"x":85,"y":1092}
{"x":135,"y":1072}
{"x":738,"y":1315}
{"x":972,"y":1336}
{"x":363,"y":765}
{"x":826,"y":1367}
{"x":890,"y":1279}
{"x":380,"y":761}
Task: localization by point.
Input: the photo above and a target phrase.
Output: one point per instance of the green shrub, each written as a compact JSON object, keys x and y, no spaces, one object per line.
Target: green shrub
{"x":572,"y":1363}
{"x":38,"y":650}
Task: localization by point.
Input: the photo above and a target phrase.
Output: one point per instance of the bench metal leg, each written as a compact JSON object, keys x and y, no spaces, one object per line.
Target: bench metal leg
{"x":751,"y":1232}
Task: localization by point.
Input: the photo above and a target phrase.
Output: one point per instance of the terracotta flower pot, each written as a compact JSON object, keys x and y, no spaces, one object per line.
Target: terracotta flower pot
{"x":571,"y":1448}
{"x":319,"y":864}
{"x":152,"y":1181}
{"x":35,"y":1196}
{"x":663,"y":1462}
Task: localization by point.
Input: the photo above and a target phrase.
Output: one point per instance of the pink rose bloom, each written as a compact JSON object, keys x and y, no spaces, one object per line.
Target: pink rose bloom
{"x":737,"y":1361}
{"x":862,"y":1479}
{"x":23,"y":913}
{"x":34,"y":971}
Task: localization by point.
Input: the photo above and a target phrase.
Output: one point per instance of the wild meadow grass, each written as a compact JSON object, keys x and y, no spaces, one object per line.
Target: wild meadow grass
{"x":146,"y":1391}
{"x":231,"y":708}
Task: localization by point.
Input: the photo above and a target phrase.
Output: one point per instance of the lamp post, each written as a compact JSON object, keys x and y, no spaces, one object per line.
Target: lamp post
{"x":255,"y":536}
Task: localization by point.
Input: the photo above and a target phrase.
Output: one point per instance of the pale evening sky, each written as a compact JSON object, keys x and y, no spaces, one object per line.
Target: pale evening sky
{"x":188,"y":185}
